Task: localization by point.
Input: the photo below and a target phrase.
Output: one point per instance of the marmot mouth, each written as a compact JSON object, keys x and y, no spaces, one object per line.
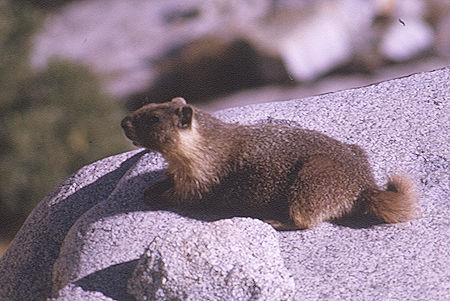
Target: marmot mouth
{"x":130,"y":134}
{"x":134,"y":139}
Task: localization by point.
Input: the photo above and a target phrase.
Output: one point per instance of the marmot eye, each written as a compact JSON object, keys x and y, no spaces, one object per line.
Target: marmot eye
{"x":153,"y":119}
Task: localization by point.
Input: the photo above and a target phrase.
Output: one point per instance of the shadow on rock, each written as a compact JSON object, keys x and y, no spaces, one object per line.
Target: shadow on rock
{"x":358,"y":221}
{"x":56,"y":215}
{"x":111,"y":282}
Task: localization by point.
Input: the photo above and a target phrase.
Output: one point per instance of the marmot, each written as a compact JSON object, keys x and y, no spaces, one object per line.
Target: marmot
{"x":289,"y":176}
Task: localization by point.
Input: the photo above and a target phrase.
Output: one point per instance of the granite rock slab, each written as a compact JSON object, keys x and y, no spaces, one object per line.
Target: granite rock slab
{"x":92,"y":238}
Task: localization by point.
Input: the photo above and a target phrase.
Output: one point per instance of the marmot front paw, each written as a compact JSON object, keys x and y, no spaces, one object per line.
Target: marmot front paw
{"x":156,"y":196}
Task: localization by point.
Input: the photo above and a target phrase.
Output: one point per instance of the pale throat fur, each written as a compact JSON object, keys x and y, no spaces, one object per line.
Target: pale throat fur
{"x":192,"y":168}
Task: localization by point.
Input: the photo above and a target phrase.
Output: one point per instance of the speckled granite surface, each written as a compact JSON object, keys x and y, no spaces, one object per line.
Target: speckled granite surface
{"x":84,"y":241}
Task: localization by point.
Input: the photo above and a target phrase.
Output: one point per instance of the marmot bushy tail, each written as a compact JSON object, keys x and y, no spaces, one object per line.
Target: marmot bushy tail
{"x":396,"y":204}
{"x":289,"y":176}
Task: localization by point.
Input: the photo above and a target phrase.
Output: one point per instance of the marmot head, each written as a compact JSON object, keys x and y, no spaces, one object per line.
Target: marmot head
{"x":157,"y":127}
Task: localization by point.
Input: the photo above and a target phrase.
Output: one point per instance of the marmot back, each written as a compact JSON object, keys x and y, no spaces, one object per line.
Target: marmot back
{"x":292,"y":177}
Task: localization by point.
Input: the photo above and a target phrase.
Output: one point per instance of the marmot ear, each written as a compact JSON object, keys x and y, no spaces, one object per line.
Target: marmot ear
{"x":179,"y":100}
{"x":185,"y":114}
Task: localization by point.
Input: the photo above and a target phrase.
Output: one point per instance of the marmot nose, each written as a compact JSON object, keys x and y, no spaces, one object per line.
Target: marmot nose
{"x":126,"y":123}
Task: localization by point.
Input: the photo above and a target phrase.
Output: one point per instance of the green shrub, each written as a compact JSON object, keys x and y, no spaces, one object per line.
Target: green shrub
{"x":51,"y":123}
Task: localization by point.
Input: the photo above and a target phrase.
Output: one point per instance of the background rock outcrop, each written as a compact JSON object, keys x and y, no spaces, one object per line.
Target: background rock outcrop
{"x":92,"y":237}
{"x":163,"y":49}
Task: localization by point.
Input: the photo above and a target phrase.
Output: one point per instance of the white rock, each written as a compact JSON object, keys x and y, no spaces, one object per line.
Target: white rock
{"x":315,"y":48}
{"x":327,"y":38}
{"x":443,"y":36}
{"x":402,"y":42}
{"x":223,"y":260}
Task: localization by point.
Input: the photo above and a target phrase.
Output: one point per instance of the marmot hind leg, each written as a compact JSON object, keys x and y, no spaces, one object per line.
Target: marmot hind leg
{"x":322,"y":191}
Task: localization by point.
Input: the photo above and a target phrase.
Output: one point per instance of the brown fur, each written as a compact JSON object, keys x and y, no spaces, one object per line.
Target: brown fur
{"x":396,"y":204}
{"x":292,"y":177}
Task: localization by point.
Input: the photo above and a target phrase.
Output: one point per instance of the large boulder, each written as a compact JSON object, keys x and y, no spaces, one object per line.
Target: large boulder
{"x":93,"y":239}
{"x":198,"y":261}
